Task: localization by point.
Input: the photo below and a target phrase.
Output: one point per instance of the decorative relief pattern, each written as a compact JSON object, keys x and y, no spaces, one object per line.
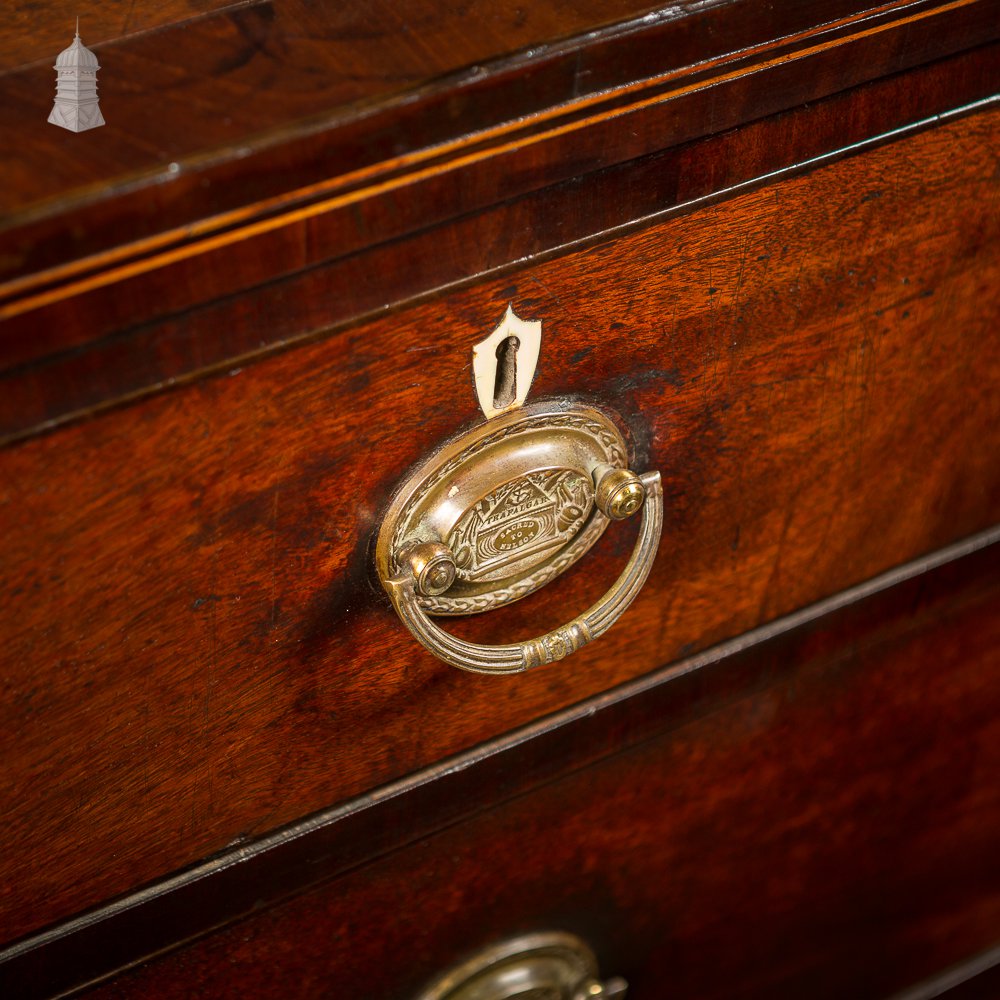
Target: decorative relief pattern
{"x":594,"y":525}
{"x":505,"y":595}
{"x":519,"y":523}
{"x":557,"y":645}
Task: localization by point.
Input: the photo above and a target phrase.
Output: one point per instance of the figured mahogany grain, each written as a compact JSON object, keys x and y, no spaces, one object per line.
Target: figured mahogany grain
{"x":195,"y":652}
{"x":132,"y":328}
{"x":823,"y":827}
{"x":38,"y":30}
{"x":270,"y":104}
{"x":325,"y":845}
{"x":300,"y":297}
{"x":213,"y":83}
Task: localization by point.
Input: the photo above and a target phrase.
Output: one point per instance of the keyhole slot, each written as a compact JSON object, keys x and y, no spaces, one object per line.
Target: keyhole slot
{"x":505,"y":387}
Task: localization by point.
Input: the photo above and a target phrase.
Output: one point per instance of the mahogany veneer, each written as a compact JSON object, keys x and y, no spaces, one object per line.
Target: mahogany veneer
{"x":771,"y":355}
{"x":765,"y":236}
{"x":820,"y":825}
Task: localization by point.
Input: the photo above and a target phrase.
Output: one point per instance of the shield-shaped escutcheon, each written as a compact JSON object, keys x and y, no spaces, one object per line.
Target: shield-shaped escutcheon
{"x":504,"y":364}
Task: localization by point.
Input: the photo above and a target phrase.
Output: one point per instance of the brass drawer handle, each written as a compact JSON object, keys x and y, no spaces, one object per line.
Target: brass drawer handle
{"x":546,"y":966}
{"x":501,"y":510}
{"x":432,"y":561}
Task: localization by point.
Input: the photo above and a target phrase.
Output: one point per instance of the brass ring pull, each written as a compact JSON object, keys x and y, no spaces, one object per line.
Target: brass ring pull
{"x":431,"y":567}
{"x":549,"y":965}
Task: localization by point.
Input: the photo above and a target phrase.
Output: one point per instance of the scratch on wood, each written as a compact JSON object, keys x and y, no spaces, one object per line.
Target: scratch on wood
{"x":274,"y":558}
{"x":739,"y":276}
{"x":778,"y":555}
{"x":128,"y":18}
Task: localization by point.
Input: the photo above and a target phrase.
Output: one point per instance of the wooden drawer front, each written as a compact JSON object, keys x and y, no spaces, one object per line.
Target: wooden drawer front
{"x":196,"y":653}
{"x":820,"y":822}
{"x":113,"y":284}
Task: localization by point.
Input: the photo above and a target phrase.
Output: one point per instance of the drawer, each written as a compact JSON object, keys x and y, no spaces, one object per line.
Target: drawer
{"x":812,"y":816}
{"x":761,"y":240}
{"x":203,"y":655}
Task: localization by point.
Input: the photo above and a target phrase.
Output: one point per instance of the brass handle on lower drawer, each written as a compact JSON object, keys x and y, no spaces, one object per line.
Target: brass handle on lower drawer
{"x":546,"y":966}
{"x":498,"y":512}
{"x":430,"y":560}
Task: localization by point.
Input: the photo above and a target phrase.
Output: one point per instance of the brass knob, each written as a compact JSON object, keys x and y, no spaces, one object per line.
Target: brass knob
{"x":620,"y":493}
{"x":432,"y":566}
{"x":528,"y":653}
{"x":613,"y":989}
{"x":548,"y":966}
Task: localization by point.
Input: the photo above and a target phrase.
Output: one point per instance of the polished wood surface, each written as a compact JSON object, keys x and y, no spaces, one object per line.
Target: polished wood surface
{"x":38,"y":30}
{"x":232,"y":77}
{"x":135,"y":330}
{"x":196,"y":653}
{"x":271,"y":105}
{"x":815,"y":816}
{"x":765,"y":235}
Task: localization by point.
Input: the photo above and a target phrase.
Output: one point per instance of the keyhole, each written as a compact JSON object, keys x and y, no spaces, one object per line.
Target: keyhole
{"x":505,"y":388}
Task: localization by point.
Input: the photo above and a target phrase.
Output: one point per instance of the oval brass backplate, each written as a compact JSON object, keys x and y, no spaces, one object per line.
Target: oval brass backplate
{"x":513,"y":499}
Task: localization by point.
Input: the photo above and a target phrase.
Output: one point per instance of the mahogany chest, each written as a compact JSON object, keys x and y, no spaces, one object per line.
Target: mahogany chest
{"x":741,"y":265}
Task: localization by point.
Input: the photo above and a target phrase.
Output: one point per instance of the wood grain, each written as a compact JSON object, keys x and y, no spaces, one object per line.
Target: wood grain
{"x":38,"y":30}
{"x":271,"y":102}
{"x":196,"y":652}
{"x":217,"y":81}
{"x":823,"y":827}
{"x":337,"y":841}
{"x":223,"y":300}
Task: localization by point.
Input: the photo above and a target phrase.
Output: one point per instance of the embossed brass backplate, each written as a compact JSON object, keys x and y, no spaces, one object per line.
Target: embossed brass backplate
{"x":513,"y":500}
